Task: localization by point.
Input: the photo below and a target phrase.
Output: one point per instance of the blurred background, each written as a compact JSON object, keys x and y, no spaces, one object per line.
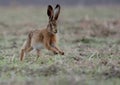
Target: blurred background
{"x":62,"y":2}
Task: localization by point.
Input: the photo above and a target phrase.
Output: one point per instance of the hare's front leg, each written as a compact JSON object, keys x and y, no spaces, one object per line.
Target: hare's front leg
{"x":49,"y":47}
{"x":57,"y":48}
{"x":60,"y":51}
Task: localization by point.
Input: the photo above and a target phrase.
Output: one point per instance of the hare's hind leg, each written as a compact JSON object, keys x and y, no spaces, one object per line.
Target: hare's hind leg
{"x":22,"y":54}
{"x":25,"y":51}
{"x":26,"y":47}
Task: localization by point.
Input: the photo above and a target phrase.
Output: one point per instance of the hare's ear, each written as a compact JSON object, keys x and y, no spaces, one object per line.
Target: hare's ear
{"x":57,"y":11}
{"x":50,"y":12}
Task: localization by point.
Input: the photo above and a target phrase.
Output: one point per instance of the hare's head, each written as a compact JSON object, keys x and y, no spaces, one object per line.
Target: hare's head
{"x":53,"y":16}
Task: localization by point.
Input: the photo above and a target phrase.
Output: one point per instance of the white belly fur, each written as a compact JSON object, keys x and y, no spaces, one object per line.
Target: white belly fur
{"x":38,"y":46}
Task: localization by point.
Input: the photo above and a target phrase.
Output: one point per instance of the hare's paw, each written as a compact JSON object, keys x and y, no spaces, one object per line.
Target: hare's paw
{"x":62,"y":53}
{"x":55,"y":53}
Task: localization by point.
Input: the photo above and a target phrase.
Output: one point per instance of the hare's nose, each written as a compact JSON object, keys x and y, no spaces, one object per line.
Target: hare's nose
{"x":55,"y":31}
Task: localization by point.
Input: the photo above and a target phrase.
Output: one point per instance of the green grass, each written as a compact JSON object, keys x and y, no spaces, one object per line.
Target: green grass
{"x":88,"y":59}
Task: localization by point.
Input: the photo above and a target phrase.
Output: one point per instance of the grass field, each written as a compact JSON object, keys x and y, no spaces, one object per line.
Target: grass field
{"x":89,"y":36}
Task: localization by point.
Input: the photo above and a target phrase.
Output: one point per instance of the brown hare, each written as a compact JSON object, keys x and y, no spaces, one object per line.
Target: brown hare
{"x":45,"y":37}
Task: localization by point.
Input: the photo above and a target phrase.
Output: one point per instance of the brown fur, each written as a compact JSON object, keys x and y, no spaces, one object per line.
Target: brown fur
{"x":46,"y":36}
